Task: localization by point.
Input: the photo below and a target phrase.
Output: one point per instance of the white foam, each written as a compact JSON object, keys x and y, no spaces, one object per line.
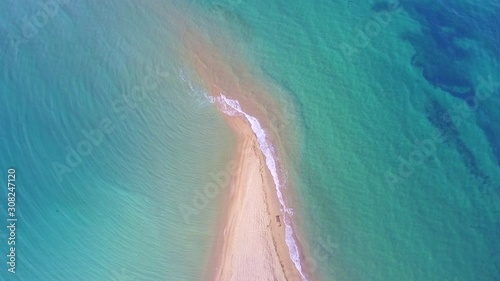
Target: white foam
{"x":201,"y":96}
{"x":233,"y":108}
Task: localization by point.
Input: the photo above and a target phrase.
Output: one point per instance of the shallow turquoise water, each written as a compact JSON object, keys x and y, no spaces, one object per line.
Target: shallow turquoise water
{"x":361,"y":108}
{"x":366,"y":105}
{"x":108,"y":143}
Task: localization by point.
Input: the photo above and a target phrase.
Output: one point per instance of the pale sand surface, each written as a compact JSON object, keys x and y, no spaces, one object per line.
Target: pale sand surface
{"x":253,"y":246}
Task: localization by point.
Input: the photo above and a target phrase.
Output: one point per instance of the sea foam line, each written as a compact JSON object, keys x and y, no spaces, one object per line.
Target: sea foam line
{"x":198,"y":93}
{"x":232,"y":108}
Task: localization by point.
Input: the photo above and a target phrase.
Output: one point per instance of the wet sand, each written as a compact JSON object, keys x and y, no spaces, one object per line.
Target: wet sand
{"x":252,"y":245}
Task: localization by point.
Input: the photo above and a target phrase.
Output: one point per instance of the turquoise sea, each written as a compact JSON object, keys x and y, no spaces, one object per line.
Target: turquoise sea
{"x":394,"y":163}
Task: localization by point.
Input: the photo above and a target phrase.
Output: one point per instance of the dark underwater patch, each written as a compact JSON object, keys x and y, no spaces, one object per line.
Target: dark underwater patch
{"x":493,"y":136}
{"x":448,"y":21}
{"x":437,"y":116}
{"x":445,"y":62}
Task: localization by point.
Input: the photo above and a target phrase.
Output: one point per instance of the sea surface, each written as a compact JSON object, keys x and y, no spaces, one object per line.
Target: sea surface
{"x":393,"y":164}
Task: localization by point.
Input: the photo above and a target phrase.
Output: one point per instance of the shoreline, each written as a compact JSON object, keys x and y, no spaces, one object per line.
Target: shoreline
{"x":253,"y":240}
{"x":257,"y":239}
